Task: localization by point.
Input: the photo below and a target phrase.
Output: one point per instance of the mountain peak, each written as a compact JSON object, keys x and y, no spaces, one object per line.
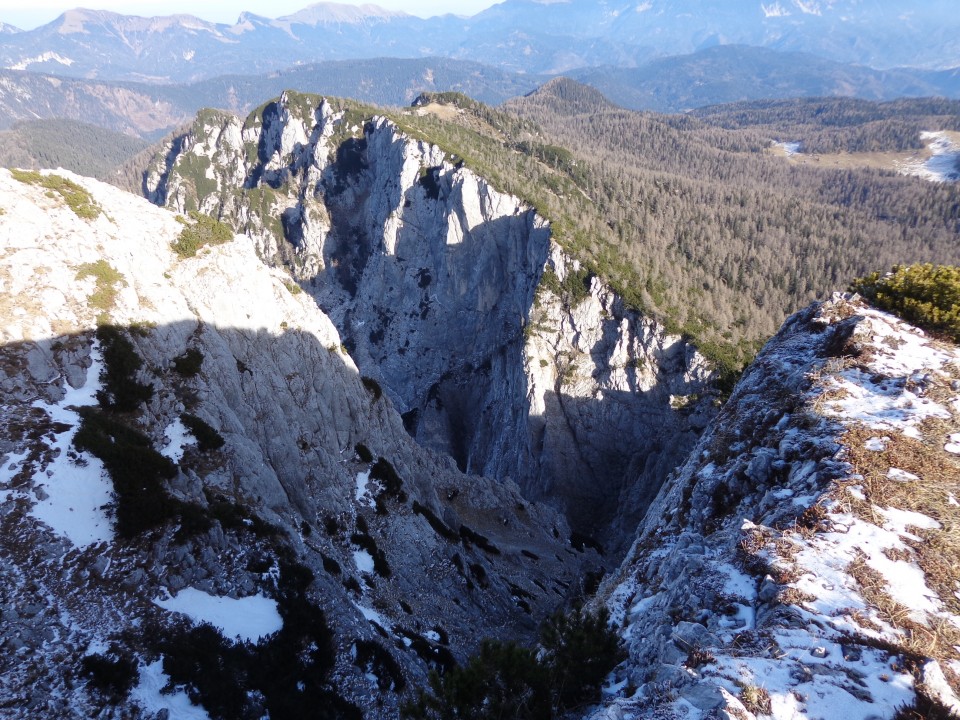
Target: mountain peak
{"x":77,"y":19}
{"x":328,"y":13}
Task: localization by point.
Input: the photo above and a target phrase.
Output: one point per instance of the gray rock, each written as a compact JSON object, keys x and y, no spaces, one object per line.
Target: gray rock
{"x":703,"y":695}
{"x":688,"y":636}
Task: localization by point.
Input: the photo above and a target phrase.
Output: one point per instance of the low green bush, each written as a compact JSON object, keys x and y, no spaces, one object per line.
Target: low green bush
{"x":113,"y":673}
{"x":203,"y":231}
{"x":121,"y":391}
{"x":136,"y":469}
{"x":207,"y":438}
{"x":107,"y":277}
{"x":188,"y":364}
{"x":925,"y":295}
{"x":576,"y":654}
{"x":76,"y":198}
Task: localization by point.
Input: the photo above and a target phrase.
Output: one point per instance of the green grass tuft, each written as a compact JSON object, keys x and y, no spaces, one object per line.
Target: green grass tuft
{"x":76,"y":198}
{"x":204,"y":230}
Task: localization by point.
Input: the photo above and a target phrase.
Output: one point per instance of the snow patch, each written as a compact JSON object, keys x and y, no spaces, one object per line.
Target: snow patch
{"x":249,"y":618}
{"x":178,"y":438}
{"x":149,"y":694}
{"x":42,"y":58}
{"x":943,"y":165}
{"x":75,"y":487}
{"x":363,"y":561}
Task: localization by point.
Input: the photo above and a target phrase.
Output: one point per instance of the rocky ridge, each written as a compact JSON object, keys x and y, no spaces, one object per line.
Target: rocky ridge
{"x":435,"y":281}
{"x":316,"y":472}
{"x":800,"y":564}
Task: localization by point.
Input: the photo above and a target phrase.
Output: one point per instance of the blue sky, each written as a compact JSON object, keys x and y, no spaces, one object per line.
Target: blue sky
{"x":30,"y":14}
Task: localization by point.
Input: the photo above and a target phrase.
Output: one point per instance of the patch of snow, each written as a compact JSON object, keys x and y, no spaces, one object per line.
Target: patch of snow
{"x":77,"y":491}
{"x":941,"y":166}
{"x":150,"y":696}
{"x":898,"y":475}
{"x":877,"y":444}
{"x":828,"y":556}
{"x":178,"y":438}
{"x":954,"y":445}
{"x":364,"y":495}
{"x":363,"y":560}
{"x":41,"y":58}
{"x":249,"y":618}
{"x":774,"y":10}
{"x":373,"y":616}
{"x":790,"y":148}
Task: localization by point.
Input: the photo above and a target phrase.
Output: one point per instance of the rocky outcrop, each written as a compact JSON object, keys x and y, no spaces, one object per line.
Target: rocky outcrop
{"x":792,"y":567}
{"x":406,"y":552}
{"x":433,"y":279}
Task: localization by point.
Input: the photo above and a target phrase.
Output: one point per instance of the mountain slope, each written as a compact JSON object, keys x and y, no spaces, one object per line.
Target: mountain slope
{"x":800,"y":564}
{"x":82,"y":148}
{"x":265,"y":472}
{"x":734,"y":73}
{"x":148,"y":111}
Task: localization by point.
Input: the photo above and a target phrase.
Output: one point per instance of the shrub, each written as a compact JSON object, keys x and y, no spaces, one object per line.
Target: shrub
{"x":580,"y":651}
{"x":383,"y":471}
{"x":76,"y":198}
{"x":113,"y":673}
{"x":204,"y":230}
{"x":106,"y":277}
{"x":136,"y":469}
{"x":468,"y":536}
{"x":380,"y":564}
{"x":373,"y":659}
{"x":925,"y":295}
{"x":439,"y":527}
{"x":121,"y":390}
{"x":372,"y":386}
{"x":363,"y":452}
{"x":188,"y":364}
{"x":505,"y":680}
{"x":207,"y":438}
{"x":284,"y":676}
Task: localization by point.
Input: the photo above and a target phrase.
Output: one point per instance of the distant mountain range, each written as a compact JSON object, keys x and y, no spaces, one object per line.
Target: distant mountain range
{"x":530,"y":36}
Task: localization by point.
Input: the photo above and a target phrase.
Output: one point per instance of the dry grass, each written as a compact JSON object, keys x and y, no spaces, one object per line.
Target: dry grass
{"x":939,"y":640}
{"x":756,"y":699}
{"x":938,"y":554}
{"x":793,"y":596}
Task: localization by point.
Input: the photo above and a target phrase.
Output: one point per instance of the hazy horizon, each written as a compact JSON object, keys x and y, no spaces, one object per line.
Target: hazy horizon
{"x":219,"y":11}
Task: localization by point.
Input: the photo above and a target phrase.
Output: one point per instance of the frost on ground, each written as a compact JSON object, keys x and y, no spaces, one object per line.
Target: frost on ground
{"x":943,"y":165}
{"x":802,"y":564}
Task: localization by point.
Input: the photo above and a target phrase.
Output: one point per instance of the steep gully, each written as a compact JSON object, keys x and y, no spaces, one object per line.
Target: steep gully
{"x":433,"y":280}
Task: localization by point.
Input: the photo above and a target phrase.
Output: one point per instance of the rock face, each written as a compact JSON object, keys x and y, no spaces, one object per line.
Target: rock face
{"x":316,"y":471}
{"x":792,"y":567}
{"x":433,"y":279}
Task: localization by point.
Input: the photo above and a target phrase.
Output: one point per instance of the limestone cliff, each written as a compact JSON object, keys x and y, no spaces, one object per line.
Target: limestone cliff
{"x":411,"y":560}
{"x":433,"y":278}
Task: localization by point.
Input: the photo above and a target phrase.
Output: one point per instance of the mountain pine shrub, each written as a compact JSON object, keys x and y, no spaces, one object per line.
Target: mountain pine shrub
{"x":577,"y":652}
{"x":76,"y":198}
{"x":207,"y":438}
{"x":204,"y":230}
{"x":925,"y":295}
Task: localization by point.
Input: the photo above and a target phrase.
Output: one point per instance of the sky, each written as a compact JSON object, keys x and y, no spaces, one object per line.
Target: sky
{"x":30,"y":14}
